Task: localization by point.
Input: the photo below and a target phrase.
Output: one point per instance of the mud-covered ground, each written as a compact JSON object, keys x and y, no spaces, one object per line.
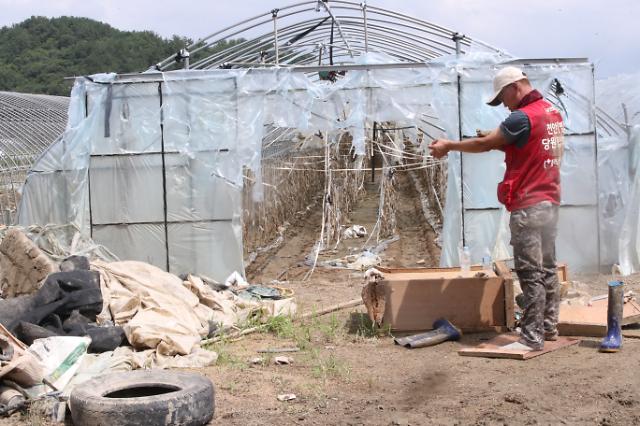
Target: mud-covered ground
{"x":345,"y":373}
{"x":348,"y":375}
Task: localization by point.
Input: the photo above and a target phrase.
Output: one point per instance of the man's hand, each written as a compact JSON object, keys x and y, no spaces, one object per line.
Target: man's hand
{"x":439,"y":147}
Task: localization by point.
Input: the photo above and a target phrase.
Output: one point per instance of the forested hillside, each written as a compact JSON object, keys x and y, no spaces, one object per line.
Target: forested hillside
{"x":36,"y":54}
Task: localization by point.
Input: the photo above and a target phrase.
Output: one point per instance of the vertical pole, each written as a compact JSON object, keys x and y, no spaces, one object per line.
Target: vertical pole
{"x":460,"y":135}
{"x":373,"y":153}
{"x":595,"y":138}
{"x":363,"y":5}
{"x":164,"y":179}
{"x":456,"y":37}
{"x":274,"y":15}
{"x":11,"y":218}
{"x":627,"y":130}
{"x":86,"y":115}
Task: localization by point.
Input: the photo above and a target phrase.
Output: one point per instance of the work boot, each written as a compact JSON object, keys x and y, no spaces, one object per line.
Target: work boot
{"x":531,"y":346}
{"x":613,"y":340}
{"x":442,"y":331}
{"x":551,"y":336}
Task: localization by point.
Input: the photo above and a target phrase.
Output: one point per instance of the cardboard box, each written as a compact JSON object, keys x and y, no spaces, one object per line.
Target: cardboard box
{"x":415,"y":298}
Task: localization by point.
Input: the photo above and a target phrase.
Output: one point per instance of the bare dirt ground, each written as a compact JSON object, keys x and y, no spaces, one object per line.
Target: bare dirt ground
{"x":347,"y":374}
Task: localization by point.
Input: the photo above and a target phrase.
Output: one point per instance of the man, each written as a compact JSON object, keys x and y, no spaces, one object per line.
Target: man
{"x":531,"y":138}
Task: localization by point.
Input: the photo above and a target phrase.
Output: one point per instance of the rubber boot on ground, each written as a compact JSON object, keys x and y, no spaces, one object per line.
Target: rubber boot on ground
{"x":613,"y":340}
{"x":442,"y":331}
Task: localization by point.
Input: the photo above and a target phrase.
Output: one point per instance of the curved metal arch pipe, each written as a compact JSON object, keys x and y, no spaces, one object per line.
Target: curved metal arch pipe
{"x":374,"y":14}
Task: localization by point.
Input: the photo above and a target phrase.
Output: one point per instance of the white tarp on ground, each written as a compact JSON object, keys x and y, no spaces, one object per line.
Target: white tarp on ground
{"x":159,"y":311}
{"x":151,"y":166}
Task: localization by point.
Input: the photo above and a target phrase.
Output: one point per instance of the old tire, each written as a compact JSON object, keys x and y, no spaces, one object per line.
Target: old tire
{"x":145,"y":397}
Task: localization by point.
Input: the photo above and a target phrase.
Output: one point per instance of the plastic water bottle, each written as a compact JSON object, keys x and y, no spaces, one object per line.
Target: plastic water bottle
{"x":487,"y":264}
{"x":465,"y":259}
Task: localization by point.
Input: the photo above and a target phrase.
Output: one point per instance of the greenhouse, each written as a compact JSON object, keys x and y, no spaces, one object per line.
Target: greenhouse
{"x":196,"y":164}
{"x":28,"y":125}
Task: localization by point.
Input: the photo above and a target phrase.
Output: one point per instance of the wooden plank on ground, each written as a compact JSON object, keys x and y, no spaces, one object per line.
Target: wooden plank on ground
{"x":592,"y":320}
{"x":631,"y":332}
{"x":494,"y":348}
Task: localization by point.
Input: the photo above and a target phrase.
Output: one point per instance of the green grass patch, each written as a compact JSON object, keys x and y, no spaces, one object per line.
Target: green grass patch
{"x":360,"y":325}
{"x":329,"y":366}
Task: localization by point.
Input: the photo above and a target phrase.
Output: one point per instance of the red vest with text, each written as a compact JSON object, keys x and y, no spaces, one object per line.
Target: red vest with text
{"x":533,"y":171}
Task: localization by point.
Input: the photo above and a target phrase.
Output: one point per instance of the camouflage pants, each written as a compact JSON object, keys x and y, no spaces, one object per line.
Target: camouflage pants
{"x":533,"y":237}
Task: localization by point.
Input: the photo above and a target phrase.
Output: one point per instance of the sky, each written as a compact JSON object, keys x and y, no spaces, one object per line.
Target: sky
{"x":606,"y":32}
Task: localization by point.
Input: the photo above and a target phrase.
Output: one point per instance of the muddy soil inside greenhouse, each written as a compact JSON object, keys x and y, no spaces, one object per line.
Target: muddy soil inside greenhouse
{"x":347,"y":373}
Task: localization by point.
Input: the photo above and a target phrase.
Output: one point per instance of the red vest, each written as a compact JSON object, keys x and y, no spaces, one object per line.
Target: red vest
{"x":533,"y":171}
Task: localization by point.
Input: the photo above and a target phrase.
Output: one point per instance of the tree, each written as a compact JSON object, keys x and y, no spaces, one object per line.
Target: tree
{"x":36,"y":54}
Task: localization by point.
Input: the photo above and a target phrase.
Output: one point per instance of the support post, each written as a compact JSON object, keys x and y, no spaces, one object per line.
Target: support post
{"x":595,"y":163}
{"x":363,"y":5}
{"x":164,"y":181}
{"x":460,"y":136}
{"x":373,"y":152}
{"x":333,"y":18}
{"x":457,"y":37}
{"x":274,"y":15}
{"x":86,"y":115}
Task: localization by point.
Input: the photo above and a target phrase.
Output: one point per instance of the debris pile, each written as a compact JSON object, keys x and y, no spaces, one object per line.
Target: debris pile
{"x":64,"y":321}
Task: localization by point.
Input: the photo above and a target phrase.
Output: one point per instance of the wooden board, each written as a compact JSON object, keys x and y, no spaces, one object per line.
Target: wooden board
{"x":563,"y":272}
{"x":493,"y":348}
{"x":433,"y":272}
{"x":592,"y":320}
{"x":631,"y":332}
{"x":502,"y":270}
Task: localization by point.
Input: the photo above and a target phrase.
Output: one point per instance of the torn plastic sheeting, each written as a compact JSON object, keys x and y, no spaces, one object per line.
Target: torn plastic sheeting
{"x":613,"y":191}
{"x":212,"y":125}
{"x":620,"y":98}
{"x":471,"y":190}
{"x":629,"y":243}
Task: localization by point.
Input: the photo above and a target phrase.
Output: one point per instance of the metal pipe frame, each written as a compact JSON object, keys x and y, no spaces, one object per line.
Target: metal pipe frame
{"x":360,"y":26}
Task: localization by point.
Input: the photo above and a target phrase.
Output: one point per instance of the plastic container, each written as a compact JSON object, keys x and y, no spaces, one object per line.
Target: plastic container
{"x":465,"y":259}
{"x":487,"y":263}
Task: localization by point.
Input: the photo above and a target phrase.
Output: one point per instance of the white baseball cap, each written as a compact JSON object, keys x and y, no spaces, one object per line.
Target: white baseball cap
{"x":503,"y":78}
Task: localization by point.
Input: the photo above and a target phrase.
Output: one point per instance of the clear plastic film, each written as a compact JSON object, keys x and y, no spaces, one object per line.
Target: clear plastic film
{"x":154,"y":167}
{"x":618,"y":101}
{"x":473,"y":215}
{"x":629,"y":241}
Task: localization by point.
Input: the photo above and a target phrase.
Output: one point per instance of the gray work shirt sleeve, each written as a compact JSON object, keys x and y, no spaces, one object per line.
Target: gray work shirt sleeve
{"x":516,"y":128}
